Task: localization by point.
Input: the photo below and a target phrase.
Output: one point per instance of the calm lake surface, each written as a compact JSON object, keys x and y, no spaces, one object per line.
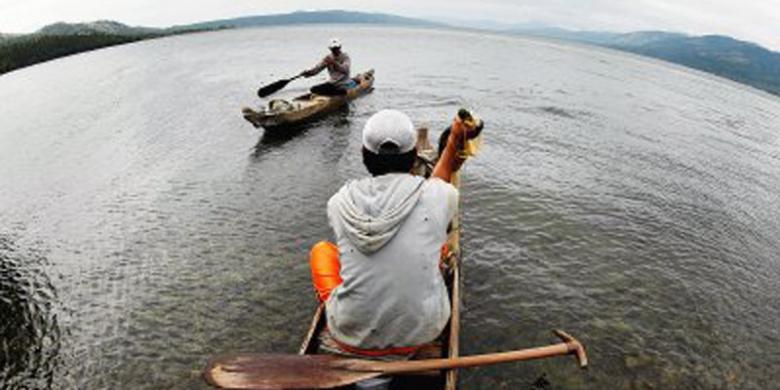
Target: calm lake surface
{"x":144,"y":225}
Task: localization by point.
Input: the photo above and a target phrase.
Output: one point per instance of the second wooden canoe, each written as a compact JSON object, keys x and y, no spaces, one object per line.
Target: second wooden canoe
{"x":281,"y":115}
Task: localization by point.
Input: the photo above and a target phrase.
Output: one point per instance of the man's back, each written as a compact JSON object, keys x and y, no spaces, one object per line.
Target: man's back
{"x":393,"y":294}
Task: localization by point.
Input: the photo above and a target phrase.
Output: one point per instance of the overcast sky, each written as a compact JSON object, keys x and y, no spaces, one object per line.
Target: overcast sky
{"x":752,"y":20}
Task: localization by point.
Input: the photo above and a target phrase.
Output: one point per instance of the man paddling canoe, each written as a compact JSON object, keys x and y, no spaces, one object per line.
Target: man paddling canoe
{"x":381,"y":284}
{"x":337,"y":63}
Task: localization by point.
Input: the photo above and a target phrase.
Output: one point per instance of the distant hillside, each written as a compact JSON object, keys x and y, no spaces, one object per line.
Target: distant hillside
{"x":99,"y":27}
{"x":603,"y":38}
{"x":593,"y":37}
{"x":63,"y":39}
{"x":29,"y":50}
{"x":7,"y":36}
{"x":736,"y":60}
{"x":313,"y":17}
{"x":726,"y":57}
{"x":740,"y":61}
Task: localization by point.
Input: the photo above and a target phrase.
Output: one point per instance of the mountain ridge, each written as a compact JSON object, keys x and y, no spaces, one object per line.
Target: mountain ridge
{"x":741,"y":61}
{"x":737,"y":60}
{"x":99,"y":27}
{"x":313,"y":17}
{"x":62,"y":39}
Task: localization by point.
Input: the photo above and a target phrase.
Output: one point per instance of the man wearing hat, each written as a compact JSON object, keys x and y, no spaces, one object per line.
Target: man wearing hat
{"x":381,"y":283}
{"x":337,"y":63}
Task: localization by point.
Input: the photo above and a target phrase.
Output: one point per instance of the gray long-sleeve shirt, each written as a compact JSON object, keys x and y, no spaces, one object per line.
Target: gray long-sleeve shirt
{"x":338,"y":70}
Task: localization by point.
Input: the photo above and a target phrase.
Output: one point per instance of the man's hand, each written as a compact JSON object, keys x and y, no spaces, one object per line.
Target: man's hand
{"x":461,"y":129}
{"x":450,"y":159}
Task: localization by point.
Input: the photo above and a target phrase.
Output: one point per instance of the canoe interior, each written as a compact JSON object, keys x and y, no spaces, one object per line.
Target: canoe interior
{"x":447,"y":345}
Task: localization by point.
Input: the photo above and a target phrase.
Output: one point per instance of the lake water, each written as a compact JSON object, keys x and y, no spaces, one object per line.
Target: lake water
{"x":144,"y":225}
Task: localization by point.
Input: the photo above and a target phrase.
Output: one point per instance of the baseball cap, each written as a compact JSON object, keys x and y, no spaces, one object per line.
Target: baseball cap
{"x":389,"y":132}
{"x":334,"y":43}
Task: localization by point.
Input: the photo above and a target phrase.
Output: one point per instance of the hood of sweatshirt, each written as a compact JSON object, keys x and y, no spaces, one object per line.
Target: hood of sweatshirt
{"x":371,"y":210}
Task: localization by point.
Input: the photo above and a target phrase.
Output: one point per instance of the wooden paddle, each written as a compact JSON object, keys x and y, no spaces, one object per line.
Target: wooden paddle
{"x":275,"y":86}
{"x":279,"y":371}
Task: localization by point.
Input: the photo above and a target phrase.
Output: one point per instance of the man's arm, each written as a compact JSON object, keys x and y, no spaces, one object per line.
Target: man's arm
{"x":449,"y":160}
{"x":315,"y":70}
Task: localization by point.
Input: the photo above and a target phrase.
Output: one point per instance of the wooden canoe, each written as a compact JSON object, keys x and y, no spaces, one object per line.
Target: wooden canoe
{"x":282,"y":114}
{"x":447,"y":345}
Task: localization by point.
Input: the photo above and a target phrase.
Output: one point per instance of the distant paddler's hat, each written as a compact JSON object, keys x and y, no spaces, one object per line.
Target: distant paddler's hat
{"x":334,"y":43}
{"x":389,"y":132}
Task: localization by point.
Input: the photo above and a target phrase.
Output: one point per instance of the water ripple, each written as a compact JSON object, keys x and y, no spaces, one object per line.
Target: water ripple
{"x":146,"y":225}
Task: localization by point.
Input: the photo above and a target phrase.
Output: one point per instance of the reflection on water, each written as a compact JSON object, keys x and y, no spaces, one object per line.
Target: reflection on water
{"x":273,"y":139}
{"x":145,"y":225}
{"x":30,"y":334}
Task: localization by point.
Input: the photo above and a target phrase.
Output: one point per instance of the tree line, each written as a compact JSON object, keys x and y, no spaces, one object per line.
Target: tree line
{"x":19,"y":52}
{"x":32,"y":49}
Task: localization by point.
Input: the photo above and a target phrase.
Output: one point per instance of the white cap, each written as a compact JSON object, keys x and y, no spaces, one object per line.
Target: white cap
{"x":389,"y":132}
{"x":334,"y":43}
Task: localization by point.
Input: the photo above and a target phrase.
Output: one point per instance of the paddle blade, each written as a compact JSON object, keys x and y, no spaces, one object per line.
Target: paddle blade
{"x":279,"y":371}
{"x":273,"y":87}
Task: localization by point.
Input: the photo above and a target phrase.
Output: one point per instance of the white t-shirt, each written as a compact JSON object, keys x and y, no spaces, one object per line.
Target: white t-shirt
{"x":396,"y":296}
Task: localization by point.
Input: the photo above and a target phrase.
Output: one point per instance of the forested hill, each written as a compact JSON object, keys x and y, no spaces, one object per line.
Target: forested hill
{"x":62,"y":39}
{"x":726,"y":57}
{"x":741,"y":61}
{"x":315,"y":17}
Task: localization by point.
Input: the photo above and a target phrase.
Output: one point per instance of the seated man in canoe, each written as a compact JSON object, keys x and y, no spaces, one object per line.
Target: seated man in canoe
{"x":381,"y":284}
{"x":337,"y":63}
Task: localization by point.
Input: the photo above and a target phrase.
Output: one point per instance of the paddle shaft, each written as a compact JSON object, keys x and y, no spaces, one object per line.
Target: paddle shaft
{"x":275,"y":86}
{"x":463,"y":362}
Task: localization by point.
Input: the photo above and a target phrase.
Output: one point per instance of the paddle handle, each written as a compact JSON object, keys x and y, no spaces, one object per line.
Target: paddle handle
{"x":569,"y":346}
